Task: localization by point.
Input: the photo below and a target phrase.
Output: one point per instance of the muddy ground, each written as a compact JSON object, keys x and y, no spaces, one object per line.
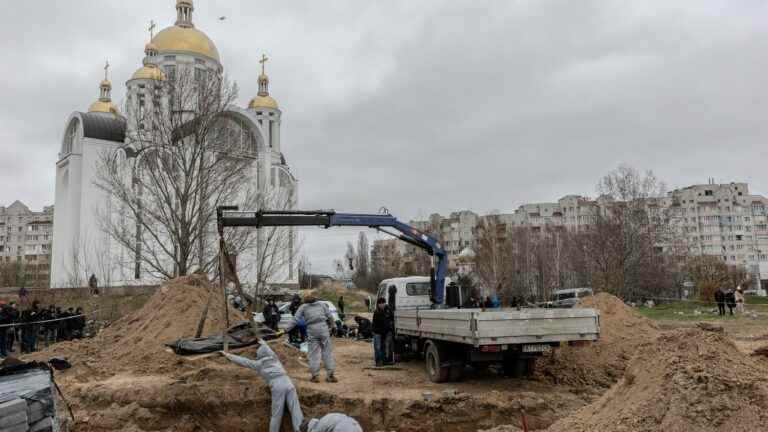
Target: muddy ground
{"x":124,"y":379}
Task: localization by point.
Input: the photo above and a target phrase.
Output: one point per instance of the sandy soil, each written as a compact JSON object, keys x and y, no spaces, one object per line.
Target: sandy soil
{"x":639,"y":377}
{"x":125,"y":379}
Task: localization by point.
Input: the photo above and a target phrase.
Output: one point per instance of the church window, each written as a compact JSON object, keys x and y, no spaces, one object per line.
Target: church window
{"x":170,"y":58}
{"x":201,"y":75}
{"x":199,"y":62}
{"x":170,"y":71}
{"x":70,"y":138}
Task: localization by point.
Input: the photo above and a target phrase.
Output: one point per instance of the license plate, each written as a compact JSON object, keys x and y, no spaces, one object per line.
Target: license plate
{"x":536,"y":348}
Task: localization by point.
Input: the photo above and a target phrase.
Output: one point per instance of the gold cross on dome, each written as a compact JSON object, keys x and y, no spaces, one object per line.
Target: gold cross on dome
{"x":152,"y":29}
{"x":263,"y":61}
{"x":106,"y":69}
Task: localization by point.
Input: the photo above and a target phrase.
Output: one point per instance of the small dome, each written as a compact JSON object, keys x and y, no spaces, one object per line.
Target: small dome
{"x":184,"y":2}
{"x":150,"y":47}
{"x":263,"y":102}
{"x":104,"y":107}
{"x":185,"y":40}
{"x":106,"y":83}
{"x":149,"y":72}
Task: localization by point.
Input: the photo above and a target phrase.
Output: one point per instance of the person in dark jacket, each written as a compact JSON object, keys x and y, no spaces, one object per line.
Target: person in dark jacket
{"x":5,"y":320}
{"x":730,"y":300}
{"x":13,"y":315}
{"x":271,"y":315}
{"x":720,"y":300}
{"x":79,"y":324}
{"x":296,"y":335}
{"x":29,"y":319}
{"x":383,"y":324}
{"x":341,"y":306}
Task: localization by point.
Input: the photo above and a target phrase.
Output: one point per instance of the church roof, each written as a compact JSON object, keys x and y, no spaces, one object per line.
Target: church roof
{"x":103,"y":126}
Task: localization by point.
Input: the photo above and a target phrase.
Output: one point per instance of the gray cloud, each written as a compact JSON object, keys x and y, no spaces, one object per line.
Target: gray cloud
{"x":432,"y":105}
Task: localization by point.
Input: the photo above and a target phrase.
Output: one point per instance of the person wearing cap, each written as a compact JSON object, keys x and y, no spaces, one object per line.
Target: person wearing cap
{"x":333,"y":422}
{"x":318,"y":318}
{"x":269,"y":367}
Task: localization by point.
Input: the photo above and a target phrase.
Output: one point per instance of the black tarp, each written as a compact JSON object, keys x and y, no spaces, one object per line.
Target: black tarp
{"x":238,"y":336}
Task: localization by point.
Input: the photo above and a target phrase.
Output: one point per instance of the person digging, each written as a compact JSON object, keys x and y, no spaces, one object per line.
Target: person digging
{"x":268,"y":365}
{"x":318,"y":318}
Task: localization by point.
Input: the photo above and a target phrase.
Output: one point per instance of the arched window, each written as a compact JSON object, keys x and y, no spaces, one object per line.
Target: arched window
{"x":70,"y":137}
{"x":235,"y":136}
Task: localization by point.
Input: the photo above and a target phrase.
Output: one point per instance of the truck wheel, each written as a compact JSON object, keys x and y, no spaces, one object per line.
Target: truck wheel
{"x":434,"y":358}
{"x":456,"y":373}
{"x":530,"y":366}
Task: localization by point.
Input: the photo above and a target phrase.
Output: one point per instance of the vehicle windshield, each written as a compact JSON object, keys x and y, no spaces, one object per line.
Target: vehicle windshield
{"x":417,"y":288}
{"x":565,"y":296}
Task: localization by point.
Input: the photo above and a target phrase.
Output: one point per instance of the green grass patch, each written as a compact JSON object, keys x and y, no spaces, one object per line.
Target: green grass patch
{"x":695,"y":311}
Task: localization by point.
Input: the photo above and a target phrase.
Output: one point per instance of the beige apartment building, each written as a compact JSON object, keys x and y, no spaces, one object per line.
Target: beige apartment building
{"x":723,"y":220}
{"x":25,"y":238}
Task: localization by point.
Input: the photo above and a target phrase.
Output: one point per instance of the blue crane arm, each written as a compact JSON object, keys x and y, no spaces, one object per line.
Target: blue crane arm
{"x":232,"y":217}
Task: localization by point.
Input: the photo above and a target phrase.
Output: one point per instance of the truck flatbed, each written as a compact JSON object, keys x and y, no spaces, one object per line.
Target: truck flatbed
{"x":501,"y":326}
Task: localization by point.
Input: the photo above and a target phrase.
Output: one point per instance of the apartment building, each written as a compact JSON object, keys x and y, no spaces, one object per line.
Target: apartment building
{"x":724,"y":220}
{"x":25,"y":238}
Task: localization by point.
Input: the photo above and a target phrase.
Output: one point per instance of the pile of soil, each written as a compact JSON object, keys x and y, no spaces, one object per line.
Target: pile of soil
{"x":688,"y":380}
{"x":135,"y":342}
{"x":600,"y":365}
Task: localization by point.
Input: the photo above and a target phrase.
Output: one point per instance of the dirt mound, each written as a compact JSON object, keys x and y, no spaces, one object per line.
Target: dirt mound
{"x":688,"y":380}
{"x":622,"y":331}
{"x":135,"y":342}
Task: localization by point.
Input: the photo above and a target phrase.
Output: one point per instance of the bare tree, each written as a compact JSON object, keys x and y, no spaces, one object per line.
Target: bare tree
{"x":183,"y":158}
{"x":710,"y":273}
{"x":626,"y":240}
{"x":493,"y":255}
{"x":276,"y":247}
{"x":386,"y":262}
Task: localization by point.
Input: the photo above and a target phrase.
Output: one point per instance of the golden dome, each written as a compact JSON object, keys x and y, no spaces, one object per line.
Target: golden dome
{"x":185,"y":40}
{"x":149,"y":72}
{"x":104,"y":107}
{"x":150,"y":47}
{"x":106,"y":83}
{"x":184,"y":2}
{"x":263,"y":102}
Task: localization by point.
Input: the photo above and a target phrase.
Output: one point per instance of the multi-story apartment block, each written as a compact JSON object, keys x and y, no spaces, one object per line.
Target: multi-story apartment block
{"x":722,"y":220}
{"x":25,"y":238}
{"x":726,"y":221}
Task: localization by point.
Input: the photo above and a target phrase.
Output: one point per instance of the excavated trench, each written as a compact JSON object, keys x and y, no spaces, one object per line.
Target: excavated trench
{"x":156,"y":403}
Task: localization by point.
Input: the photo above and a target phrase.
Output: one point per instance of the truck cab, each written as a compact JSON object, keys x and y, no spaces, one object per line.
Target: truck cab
{"x":410,"y":292}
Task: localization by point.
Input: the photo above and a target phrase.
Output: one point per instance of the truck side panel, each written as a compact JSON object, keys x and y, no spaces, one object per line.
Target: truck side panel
{"x":475,"y":327}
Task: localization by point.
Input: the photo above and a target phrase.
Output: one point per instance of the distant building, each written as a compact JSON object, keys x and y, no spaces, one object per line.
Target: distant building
{"x":25,"y":244}
{"x":726,"y":221}
{"x":722,"y":220}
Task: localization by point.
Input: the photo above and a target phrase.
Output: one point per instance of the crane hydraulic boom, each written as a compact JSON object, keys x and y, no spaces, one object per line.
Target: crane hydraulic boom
{"x":229,"y":216}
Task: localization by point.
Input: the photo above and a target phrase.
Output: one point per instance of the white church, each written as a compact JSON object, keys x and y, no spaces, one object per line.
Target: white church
{"x":80,"y":246}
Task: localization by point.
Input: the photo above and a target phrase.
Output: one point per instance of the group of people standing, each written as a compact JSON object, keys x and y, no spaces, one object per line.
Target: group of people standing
{"x":31,"y":324}
{"x":733,"y":299}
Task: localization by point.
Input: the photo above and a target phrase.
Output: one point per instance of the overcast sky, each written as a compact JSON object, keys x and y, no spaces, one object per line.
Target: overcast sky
{"x":426,"y":106}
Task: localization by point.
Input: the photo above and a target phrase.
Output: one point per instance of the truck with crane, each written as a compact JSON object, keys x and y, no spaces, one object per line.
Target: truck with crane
{"x":430,"y":321}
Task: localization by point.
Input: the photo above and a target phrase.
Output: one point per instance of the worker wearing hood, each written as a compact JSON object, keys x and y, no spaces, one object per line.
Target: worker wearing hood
{"x":283,"y":392}
{"x":318,"y":318}
{"x":333,"y":422}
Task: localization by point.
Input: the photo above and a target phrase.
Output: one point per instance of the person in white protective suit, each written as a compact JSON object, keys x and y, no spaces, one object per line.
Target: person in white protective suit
{"x":333,"y":422}
{"x":283,"y":392}
{"x":318,"y":318}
